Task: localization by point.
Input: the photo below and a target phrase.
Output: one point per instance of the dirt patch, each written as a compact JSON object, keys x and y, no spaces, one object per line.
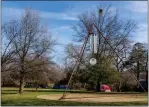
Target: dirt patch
{"x":96,"y":97}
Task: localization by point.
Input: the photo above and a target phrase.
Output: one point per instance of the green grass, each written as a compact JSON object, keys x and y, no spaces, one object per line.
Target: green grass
{"x":10,"y":97}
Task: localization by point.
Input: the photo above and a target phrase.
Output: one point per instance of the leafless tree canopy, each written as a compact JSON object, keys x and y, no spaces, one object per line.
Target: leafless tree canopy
{"x":116,"y":31}
{"x":27,"y":41}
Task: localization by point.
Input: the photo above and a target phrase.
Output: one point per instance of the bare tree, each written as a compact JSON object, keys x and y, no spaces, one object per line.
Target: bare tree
{"x":7,"y":52}
{"x":31,"y":41}
{"x":37,"y":71}
{"x":116,"y":31}
{"x":72,"y":54}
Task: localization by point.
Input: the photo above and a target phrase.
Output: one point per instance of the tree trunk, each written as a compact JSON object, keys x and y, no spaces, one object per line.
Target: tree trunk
{"x":138,"y":74}
{"x":119,"y":88}
{"x":98,"y":86}
{"x":3,"y":82}
{"x":21,"y":86}
{"x":36,"y":86}
{"x":138,"y":70}
{"x":146,"y":77}
{"x":120,"y":82}
{"x":84,"y":86}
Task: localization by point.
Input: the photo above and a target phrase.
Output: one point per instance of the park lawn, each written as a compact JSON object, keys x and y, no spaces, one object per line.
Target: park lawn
{"x":10,"y":97}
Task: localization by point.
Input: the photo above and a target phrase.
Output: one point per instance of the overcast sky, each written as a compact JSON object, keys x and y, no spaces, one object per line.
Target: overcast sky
{"x":60,"y":16}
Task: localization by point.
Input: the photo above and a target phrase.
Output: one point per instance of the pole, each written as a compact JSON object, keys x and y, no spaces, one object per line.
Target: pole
{"x":76,"y":65}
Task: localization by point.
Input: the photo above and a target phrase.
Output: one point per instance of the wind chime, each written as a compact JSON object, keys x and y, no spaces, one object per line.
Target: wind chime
{"x":93,"y":48}
{"x":94,"y":42}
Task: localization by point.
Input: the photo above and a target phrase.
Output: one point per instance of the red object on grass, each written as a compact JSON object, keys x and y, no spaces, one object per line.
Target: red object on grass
{"x":104,"y":87}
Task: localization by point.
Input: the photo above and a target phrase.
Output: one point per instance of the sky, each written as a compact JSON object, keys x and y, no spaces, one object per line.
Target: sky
{"x":60,"y":16}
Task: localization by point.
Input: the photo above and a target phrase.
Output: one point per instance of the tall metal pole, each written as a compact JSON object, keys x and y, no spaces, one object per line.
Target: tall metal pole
{"x":76,"y":65}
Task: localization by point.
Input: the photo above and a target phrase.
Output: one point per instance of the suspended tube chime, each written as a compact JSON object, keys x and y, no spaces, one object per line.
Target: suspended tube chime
{"x":93,"y":48}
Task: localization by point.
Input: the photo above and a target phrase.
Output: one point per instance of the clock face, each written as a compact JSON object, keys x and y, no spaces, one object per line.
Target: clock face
{"x":93,"y":61}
